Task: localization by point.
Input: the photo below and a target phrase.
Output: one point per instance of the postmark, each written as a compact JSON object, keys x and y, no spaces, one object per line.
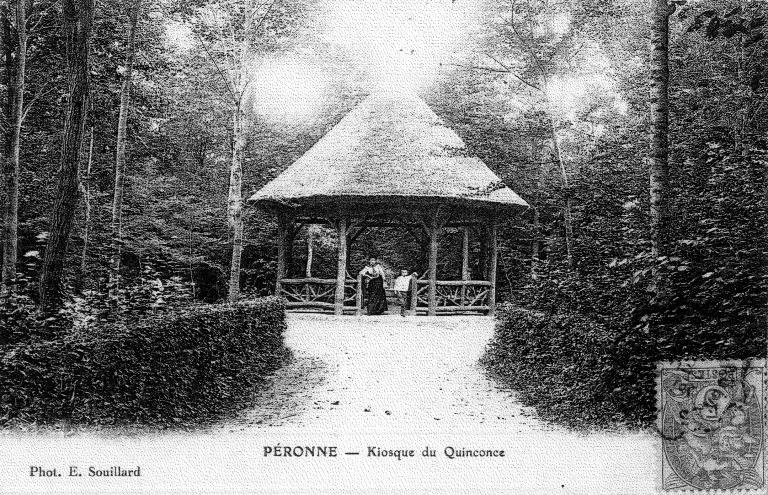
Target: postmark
{"x":711,"y":416}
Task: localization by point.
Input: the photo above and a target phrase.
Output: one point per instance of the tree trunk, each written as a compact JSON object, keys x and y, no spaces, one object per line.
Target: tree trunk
{"x":536,"y":242}
{"x":122,"y":126}
{"x":743,"y":115}
{"x":16,"y":82}
{"x":658,"y":133}
{"x":86,"y":190}
{"x":492,"y":262}
{"x":78,"y":23}
{"x":190,"y":246}
{"x":235,"y":200}
{"x":567,"y":217}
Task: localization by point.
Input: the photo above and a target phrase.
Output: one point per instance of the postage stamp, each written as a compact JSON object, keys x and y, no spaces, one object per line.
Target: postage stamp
{"x":711,"y":416}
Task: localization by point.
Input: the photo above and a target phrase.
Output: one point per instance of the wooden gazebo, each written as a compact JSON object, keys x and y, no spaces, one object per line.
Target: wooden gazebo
{"x":390,"y":162}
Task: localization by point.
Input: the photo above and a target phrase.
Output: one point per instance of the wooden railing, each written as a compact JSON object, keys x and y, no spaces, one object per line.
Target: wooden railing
{"x":316,"y":292}
{"x":454,"y":295}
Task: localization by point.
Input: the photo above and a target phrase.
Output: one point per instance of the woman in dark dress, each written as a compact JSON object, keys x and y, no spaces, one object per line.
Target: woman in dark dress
{"x":376,"y":297}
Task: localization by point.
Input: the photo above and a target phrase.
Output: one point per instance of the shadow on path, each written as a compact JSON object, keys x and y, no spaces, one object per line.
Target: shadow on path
{"x":287,"y":395}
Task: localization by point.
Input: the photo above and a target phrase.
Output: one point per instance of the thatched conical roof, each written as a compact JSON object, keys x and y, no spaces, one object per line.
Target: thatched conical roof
{"x":389,"y":148}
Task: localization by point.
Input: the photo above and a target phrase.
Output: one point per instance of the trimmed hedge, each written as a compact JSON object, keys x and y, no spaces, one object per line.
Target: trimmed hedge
{"x":573,"y":369}
{"x":186,"y":365}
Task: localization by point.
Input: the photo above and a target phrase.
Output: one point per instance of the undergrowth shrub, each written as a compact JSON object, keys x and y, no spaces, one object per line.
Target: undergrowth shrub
{"x":585,"y":369}
{"x":574,"y":369}
{"x":188,"y":364}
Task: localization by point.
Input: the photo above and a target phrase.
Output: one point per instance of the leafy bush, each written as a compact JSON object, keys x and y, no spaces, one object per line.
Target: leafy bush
{"x":574,"y":369}
{"x":20,"y":318}
{"x":17,"y":314}
{"x":148,"y":293}
{"x":188,"y":364}
{"x":586,"y":369}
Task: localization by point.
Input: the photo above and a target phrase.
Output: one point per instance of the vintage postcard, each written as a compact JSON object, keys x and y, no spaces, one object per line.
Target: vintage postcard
{"x":383,"y":246}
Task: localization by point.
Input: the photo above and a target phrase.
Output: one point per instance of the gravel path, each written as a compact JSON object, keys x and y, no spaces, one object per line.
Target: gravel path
{"x":384,"y":382}
{"x":387,"y":373}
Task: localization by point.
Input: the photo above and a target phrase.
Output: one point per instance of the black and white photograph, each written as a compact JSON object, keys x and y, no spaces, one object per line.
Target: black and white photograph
{"x":383,"y":246}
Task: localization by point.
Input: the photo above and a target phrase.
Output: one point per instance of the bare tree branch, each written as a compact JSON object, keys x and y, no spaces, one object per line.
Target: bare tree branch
{"x":513,"y":74}
{"x":224,"y":77}
{"x":43,"y":14}
{"x":47,"y":88}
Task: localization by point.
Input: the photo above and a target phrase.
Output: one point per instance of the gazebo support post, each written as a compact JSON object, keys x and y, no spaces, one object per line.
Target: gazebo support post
{"x":483,"y":261}
{"x":282,"y":244}
{"x":492,"y":261}
{"x":341,"y":272}
{"x":359,"y":296}
{"x":292,"y":229}
{"x":464,"y":264}
{"x":432,"y":294}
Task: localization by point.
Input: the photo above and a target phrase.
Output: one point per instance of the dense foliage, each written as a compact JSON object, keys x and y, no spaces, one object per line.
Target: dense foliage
{"x":574,"y":369}
{"x":191,"y":364}
{"x":589,"y":371}
{"x":712,"y":303}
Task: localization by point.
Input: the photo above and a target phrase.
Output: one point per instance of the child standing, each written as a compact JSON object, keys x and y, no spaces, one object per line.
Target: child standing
{"x":402,"y":287}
